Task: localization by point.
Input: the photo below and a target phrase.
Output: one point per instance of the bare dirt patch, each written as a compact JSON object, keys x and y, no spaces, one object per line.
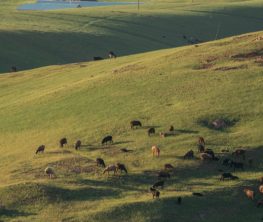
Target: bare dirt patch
{"x":227,"y":68}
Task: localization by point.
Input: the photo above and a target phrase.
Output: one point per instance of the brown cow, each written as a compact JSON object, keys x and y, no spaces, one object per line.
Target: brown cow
{"x":261,"y":188}
{"x":249,"y":193}
{"x":155,"y":151}
{"x":109,"y":168}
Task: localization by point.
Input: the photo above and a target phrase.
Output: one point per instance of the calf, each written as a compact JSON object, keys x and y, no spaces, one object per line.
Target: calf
{"x":189,"y":155}
{"x":107,"y":139}
{"x":151,"y":131}
{"x":155,"y":193}
{"x":40,"y":149}
{"x":249,"y":193}
{"x":158,"y":184}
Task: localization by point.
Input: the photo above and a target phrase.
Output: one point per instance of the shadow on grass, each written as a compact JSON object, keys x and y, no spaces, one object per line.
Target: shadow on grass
{"x":13,"y":213}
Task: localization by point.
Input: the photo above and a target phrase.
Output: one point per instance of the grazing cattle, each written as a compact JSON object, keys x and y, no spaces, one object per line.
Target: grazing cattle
{"x":106,"y":140}
{"x":259,"y":203}
{"x":50,"y":172}
{"x":228,"y":176}
{"x":163,"y":174}
{"x":237,"y":165}
{"x":112,"y":55}
{"x":261,"y":188}
{"x":206,"y":156}
{"x":189,"y":155}
{"x":249,"y":193}
{"x":239,"y":152}
{"x":97,"y":58}
{"x":201,"y":140}
{"x":110,"y":168}
{"x":168,"y":166}
{"x":77,"y":145}
{"x":155,"y":151}
{"x":40,"y":149}
{"x":171,"y":128}
{"x":63,"y":142}
{"x":121,"y":167}
{"x":151,"y":131}
{"x":197,"y":194}
{"x":179,"y":200}
{"x":135,"y":124}
{"x":155,"y":193}
{"x":100,"y":162}
{"x":158,"y":184}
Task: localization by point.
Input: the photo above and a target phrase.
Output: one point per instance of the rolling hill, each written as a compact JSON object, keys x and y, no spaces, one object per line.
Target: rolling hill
{"x":31,"y":39}
{"x":187,"y":87}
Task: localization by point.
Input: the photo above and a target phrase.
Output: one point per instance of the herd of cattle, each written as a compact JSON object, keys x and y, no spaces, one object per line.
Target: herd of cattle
{"x":234,"y":161}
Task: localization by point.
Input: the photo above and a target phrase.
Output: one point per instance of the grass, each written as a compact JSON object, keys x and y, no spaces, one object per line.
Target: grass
{"x":90,"y":100}
{"x":32,"y":39}
{"x":187,"y":87}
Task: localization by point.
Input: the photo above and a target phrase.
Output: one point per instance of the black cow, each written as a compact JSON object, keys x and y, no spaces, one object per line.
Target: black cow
{"x":106,"y":140}
{"x":40,"y":149}
{"x":77,"y":145}
{"x":135,"y":124}
{"x":189,"y":155}
{"x":63,"y":142}
{"x":151,"y":131}
{"x":121,"y":167}
{"x":100,"y":162}
{"x":112,"y":55}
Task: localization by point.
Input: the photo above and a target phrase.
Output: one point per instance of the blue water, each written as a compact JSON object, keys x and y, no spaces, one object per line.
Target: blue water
{"x":51,"y":5}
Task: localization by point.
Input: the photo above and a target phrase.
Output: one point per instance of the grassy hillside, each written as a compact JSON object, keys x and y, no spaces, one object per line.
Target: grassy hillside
{"x":184,"y":87}
{"x":34,"y":39}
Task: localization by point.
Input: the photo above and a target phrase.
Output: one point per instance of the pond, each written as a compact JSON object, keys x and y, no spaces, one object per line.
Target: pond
{"x":52,"y":5}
